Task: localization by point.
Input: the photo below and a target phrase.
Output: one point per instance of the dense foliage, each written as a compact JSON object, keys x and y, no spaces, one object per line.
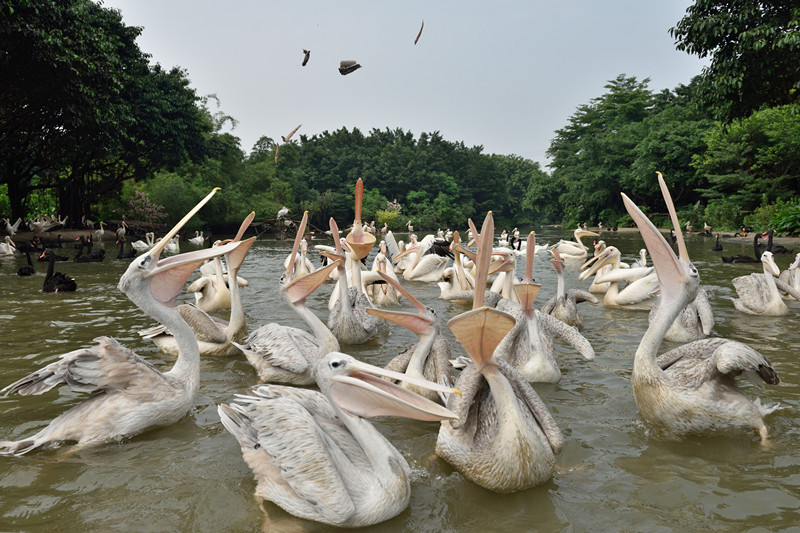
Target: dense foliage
{"x":754,"y":48}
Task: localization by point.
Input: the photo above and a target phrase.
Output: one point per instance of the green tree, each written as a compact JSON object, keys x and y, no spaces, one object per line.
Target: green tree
{"x":754,"y":158}
{"x":754,"y":48}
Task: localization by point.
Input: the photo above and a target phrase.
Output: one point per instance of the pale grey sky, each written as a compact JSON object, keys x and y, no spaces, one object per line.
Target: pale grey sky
{"x":503,"y":75}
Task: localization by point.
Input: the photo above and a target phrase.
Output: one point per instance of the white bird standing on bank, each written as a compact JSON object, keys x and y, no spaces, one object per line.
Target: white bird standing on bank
{"x":282,"y":212}
{"x":129,"y":394}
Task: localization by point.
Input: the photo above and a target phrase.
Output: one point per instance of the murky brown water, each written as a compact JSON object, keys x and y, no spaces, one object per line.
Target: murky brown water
{"x":616,"y":473}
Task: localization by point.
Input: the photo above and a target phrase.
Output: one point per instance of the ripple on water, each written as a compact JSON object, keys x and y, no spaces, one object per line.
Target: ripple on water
{"x":616,"y":472}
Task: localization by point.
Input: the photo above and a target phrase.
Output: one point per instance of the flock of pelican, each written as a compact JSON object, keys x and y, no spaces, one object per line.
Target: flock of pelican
{"x":314,"y":453}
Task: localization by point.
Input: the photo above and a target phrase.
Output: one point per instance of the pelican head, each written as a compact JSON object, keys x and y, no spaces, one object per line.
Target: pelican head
{"x":359,"y":389}
{"x":608,"y":256}
{"x":150,"y":279}
{"x":769,"y":264}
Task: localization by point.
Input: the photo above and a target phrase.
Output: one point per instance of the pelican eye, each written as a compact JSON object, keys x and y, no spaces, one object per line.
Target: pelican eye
{"x":145,"y":261}
{"x":336,"y":363}
{"x":431,"y":310}
{"x":283,"y":279}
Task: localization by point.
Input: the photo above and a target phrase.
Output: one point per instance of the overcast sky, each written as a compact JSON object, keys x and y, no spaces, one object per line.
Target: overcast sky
{"x":503,"y":75}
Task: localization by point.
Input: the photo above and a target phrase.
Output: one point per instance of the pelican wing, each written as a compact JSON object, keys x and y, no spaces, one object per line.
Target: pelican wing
{"x":569,"y":334}
{"x":107,"y":367}
{"x":621,"y":274}
{"x":400,"y":362}
{"x":206,"y":328}
{"x":292,"y":442}
{"x":391,"y":246}
{"x":538,"y":409}
{"x":280,"y":346}
{"x":428,"y":264}
{"x":695,"y":363}
{"x":199,"y":284}
{"x":639,"y":290}
{"x":753,"y":291}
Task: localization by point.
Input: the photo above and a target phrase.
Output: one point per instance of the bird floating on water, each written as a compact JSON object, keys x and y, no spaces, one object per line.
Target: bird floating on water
{"x":129,"y":395}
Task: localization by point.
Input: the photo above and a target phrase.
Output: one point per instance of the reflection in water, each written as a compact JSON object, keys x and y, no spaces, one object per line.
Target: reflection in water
{"x":616,"y":473}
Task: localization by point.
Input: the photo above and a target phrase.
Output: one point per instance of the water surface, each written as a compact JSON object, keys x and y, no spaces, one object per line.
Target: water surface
{"x":616,"y":473}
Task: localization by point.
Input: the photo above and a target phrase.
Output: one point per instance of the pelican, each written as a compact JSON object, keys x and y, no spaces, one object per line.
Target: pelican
{"x":791,"y":276}
{"x":424,"y":266}
{"x":98,"y":234}
{"x":642,"y":283}
{"x":315,"y":456}
{"x":691,"y":389}
{"x":563,"y":305}
{"x":214,"y":335}
{"x":377,"y":290}
{"x":128,"y":394}
{"x":121,"y":231}
{"x":505,"y":438}
{"x":8,"y":247}
{"x":303,"y":263}
{"x":282,"y":212}
{"x":198,"y":238}
{"x":694,"y":322}
{"x":599,"y":246}
{"x":142,"y":246}
{"x":428,"y":359}
{"x":457,"y":282}
{"x":88,"y":223}
{"x":575,"y":249}
{"x":642,"y":261}
{"x":528,"y":347}
{"x":212,"y":291}
{"x":284,"y":354}
{"x":758,"y":293}
{"x":11,"y":229}
{"x":349,"y":320}
{"x":410,"y":227}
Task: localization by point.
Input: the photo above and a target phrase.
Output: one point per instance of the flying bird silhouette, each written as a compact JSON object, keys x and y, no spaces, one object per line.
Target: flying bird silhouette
{"x":307,"y":54}
{"x":420,"y":32}
{"x":286,"y":139}
{"x":347,"y":66}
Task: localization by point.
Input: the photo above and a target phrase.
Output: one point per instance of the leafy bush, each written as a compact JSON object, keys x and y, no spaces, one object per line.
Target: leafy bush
{"x":724,"y":214}
{"x":787,"y":220}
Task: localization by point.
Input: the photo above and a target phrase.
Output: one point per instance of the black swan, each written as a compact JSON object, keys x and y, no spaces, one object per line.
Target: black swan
{"x":775,"y":248}
{"x":123,"y":253}
{"x":56,"y":281}
{"x":746,"y":258}
{"x":92,"y":256}
{"x":28,"y":269}
{"x":717,"y":246}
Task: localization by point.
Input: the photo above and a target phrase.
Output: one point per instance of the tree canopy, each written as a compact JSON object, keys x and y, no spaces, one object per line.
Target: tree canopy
{"x":754,"y":47}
